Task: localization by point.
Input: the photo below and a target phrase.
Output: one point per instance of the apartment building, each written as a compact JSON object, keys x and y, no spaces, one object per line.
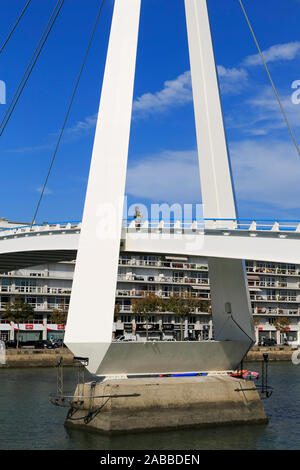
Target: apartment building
{"x":46,"y":288}
{"x":274,"y":292}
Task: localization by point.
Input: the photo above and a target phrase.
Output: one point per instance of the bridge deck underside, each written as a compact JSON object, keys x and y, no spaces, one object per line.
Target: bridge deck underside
{"x":25,"y":259}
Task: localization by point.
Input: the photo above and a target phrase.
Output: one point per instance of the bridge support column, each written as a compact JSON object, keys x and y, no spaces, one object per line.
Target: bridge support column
{"x":231,"y":307}
{"x":227,"y":277}
{"x":89,"y":326}
{"x":214,"y":166}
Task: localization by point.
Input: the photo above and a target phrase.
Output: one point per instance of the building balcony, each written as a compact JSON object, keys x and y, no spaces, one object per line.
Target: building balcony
{"x":275,"y":311}
{"x":276,"y":271}
{"x":57,"y":290}
{"x":28,"y":290}
{"x":269,"y":284}
{"x":163,"y":294}
{"x":5,"y":289}
{"x":161,"y":264}
{"x":274,"y":298}
{"x":162,"y":279}
{"x":44,"y":275}
{"x":34,"y":290}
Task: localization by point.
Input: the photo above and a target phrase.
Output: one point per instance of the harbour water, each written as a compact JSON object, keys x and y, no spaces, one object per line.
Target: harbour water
{"x":29,"y":421}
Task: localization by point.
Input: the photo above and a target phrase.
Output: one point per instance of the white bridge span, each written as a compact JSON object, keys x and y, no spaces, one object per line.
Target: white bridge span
{"x":277,"y":241}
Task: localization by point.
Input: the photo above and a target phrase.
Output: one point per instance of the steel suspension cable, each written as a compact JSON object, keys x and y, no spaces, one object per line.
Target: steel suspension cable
{"x":68,"y":112}
{"x":15,"y":25}
{"x":31,"y":65}
{"x":270,"y":78}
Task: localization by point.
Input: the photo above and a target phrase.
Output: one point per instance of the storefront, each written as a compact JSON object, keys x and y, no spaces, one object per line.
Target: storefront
{"x":128,"y":328}
{"x":29,"y":332}
{"x":5,"y":331}
{"x":262,"y":335}
{"x":168,"y":330}
{"x":204,"y":333}
{"x":55,"y":332}
{"x":289,"y":335}
{"x":152,"y":329}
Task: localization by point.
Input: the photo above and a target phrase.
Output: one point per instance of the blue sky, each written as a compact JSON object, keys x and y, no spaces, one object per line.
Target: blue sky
{"x":162,"y":164}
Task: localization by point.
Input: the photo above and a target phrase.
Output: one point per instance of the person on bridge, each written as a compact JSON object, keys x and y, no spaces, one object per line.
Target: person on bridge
{"x":138,"y":216}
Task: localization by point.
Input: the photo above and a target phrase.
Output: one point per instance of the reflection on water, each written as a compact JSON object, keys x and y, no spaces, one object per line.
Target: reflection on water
{"x":29,"y":421}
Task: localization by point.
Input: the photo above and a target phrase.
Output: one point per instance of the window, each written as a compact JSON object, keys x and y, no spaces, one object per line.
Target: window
{"x":25,"y":283}
{"x":167,"y":318}
{"x":126,"y":318}
{"x":292,"y":336}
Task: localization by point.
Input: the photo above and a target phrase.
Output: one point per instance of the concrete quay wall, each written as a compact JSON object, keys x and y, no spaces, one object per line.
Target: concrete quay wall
{"x":276,"y":353}
{"x":36,"y":358}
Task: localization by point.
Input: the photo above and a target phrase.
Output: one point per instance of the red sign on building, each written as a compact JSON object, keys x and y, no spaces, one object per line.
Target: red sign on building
{"x":60,"y":327}
{"x":28,"y":327}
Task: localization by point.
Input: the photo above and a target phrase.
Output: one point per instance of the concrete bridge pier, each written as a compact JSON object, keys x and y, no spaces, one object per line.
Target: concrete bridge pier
{"x":152,"y":404}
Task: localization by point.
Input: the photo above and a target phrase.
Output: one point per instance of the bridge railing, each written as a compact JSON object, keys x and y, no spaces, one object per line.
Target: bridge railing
{"x":216,"y":224}
{"x":202,"y":225}
{"x":44,"y":227}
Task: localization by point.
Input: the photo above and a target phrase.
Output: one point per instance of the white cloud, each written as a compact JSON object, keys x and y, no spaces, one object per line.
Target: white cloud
{"x":47,"y":191}
{"x":169,"y":176}
{"x":72,"y":133}
{"x":266,"y":172}
{"x":82,"y":126}
{"x":36,"y":148}
{"x":268,"y":114}
{"x":276,"y":53}
{"x":178,"y":92}
{"x":260,"y":114}
{"x":174,"y":93}
{"x":232,"y":80}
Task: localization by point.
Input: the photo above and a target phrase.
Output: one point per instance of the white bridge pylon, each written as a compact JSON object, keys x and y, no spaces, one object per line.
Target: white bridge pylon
{"x":97,"y":259}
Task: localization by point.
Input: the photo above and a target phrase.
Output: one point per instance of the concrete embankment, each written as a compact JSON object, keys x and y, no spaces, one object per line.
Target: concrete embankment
{"x":165,"y":403}
{"x":276,"y":353}
{"x":37,"y":357}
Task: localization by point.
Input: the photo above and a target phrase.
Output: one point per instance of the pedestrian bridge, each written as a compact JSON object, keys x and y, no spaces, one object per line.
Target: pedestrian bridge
{"x":270,"y":240}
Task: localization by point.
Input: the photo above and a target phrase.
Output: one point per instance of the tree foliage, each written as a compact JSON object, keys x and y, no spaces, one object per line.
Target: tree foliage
{"x":281,"y":324}
{"x":146,"y":306}
{"x":18,"y":312}
{"x":182,"y":306}
{"x":59,"y":316}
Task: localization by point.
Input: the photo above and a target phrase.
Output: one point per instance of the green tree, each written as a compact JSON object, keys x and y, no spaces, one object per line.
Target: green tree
{"x":281,"y":324}
{"x":59,"y":316}
{"x":146,"y":306}
{"x":183,"y":307}
{"x":18,"y":312}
